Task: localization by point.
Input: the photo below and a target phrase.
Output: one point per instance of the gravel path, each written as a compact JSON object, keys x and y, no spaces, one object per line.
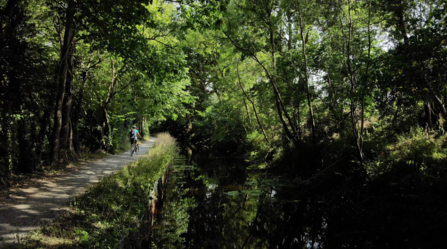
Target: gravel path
{"x":29,"y":207}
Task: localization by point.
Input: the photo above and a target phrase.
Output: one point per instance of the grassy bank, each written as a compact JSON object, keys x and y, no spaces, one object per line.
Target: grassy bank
{"x":112,"y":212}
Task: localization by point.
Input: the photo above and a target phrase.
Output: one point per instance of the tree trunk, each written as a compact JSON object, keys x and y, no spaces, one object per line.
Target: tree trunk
{"x":253,"y":105}
{"x":354,"y":91}
{"x":25,"y":158}
{"x":281,"y":110}
{"x":76,"y":142}
{"x":7,"y":12}
{"x":107,"y":128}
{"x":62,"y":78}
{"x":34,"y":140}
{"x":295,"y":104}
{"x":42,"y":132}
{"x":8,"y":26}
{"x":70,"y":143}
{"x":279,"y":104}
{"x":76,"y":111}
{"x":306,"y":75}
{"x":248,"y":112}
{"x":68,"y":102}
{"x":401,"y":22}
{"x":442,"y":108}
{"x":142,"y":127}
{"x":4,"y":152}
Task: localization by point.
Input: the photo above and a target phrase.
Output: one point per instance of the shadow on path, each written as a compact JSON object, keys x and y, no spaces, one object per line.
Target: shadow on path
{"x":32,"y":206}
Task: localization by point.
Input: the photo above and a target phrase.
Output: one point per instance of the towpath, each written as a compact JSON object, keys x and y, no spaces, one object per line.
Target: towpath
{"x":27,"y":208}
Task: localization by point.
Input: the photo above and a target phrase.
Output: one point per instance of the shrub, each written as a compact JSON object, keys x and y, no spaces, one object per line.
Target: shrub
{"x":413,"y":152}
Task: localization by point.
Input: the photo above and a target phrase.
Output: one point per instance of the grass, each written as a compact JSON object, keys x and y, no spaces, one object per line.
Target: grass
{"x":113,"y":212}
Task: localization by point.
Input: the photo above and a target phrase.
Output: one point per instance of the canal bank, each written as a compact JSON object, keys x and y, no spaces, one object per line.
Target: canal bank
{"x":111,"y":213}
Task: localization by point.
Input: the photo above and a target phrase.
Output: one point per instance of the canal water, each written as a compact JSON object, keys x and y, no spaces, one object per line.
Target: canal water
{"x":222,"y":203}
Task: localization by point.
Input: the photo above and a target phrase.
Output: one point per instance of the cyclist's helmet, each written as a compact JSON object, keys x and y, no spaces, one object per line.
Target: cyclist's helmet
{"x":134,"y":126}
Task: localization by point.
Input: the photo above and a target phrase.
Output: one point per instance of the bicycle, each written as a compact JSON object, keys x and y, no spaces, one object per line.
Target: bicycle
{"x":134,"y":149}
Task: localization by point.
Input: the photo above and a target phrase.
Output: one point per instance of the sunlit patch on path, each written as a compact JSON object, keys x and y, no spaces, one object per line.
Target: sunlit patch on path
{"x":27,"y":208}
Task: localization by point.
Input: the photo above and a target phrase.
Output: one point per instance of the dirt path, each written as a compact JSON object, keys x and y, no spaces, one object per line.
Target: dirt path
{"x":29,"y":207}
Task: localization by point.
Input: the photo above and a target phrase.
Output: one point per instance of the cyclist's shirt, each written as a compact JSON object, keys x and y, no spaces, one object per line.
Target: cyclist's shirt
{"x":135,"y":138}
{"x":136,"y":135}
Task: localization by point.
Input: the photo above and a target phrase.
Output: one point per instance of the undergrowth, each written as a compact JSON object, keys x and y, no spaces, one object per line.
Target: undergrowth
{"x":111,"y":213}
{"x":412,"y":152}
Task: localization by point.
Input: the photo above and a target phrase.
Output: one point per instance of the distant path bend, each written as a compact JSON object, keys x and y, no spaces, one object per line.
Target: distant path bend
{"x":29,"y":207}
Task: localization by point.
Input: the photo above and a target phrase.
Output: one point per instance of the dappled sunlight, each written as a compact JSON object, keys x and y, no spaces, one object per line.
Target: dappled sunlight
{"x":29,"y":211}
{"x":27,"y":208}
{"x":22,"y":206}
{"x":108,"y":206}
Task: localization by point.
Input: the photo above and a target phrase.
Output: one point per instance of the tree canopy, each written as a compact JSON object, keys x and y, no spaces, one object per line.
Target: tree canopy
{"x":347,"y":80}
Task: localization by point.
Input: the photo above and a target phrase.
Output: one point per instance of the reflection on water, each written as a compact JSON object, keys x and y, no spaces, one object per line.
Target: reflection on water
{"x":218,"y":203}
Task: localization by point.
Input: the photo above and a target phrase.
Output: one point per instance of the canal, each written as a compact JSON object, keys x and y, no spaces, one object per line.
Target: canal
{"x":223,"y":203}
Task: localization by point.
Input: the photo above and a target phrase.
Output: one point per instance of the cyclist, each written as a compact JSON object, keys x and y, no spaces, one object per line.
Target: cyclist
{"x":134,"y":134}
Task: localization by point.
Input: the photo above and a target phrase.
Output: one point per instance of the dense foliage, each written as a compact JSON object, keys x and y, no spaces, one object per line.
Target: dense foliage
{"x":317,"y":84}
{"x":345,"y":98}
{"x":310,"y":85}
{"x":76,"y":75}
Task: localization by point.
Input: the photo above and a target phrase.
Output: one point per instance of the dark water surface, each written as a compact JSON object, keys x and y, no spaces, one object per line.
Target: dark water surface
{"x":219,"y":203}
